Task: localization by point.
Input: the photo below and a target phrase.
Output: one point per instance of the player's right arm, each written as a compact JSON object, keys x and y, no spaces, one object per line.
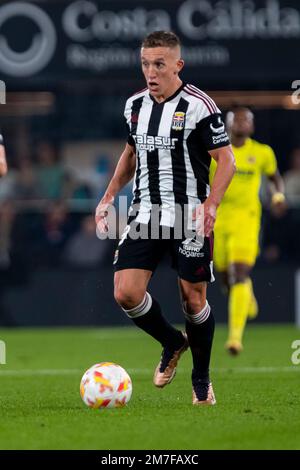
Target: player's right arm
{"x":3,"y":163}
{"x":123,"y":174}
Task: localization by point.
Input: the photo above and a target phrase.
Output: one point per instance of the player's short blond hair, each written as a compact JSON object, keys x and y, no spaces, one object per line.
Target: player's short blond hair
{"x":161,"y":39}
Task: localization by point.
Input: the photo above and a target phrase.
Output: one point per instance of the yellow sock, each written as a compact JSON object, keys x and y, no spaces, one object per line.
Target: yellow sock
{"x":253,"y":307}
{"x":239,"y":300}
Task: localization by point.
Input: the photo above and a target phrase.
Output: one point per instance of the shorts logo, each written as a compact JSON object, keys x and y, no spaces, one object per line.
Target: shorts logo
{"x":178,"y":121}
{"x":193,"y":244}
{"x":192,"y":248}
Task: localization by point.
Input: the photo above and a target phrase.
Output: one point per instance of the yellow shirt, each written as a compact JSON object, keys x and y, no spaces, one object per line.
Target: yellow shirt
{"x":253,"y":160}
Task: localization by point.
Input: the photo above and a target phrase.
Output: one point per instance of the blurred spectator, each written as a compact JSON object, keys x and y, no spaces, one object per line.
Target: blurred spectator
{"x":50,"y":234}
{"x":20,"y":182}
{"x":26,"y":180}
{"x":102,"y":176}
{"x":7,"y":217}
{"x":12,"y":260}
{"x":8,"y":185}
{"x":51,"y":177}
{"x":84,"y":249}
{"x":88,"y":181}
{"x":292,"y":179}
{"x":281,"y":236}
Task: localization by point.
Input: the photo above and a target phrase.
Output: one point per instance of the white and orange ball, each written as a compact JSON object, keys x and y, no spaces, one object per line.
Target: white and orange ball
{"x":105,"y":385}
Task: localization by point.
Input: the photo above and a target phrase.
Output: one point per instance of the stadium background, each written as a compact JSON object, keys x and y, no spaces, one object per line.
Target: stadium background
{"x":68,"y":67}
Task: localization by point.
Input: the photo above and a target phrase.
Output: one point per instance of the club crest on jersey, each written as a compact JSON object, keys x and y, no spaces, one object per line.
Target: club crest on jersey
{"x":178,"y":121}
{"x":251,"y":159}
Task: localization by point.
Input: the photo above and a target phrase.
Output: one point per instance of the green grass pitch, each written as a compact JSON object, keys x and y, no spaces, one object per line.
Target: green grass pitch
{"x":258,"y":399}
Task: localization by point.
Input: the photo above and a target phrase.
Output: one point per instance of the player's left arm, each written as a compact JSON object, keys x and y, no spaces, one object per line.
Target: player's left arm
{"x":222,"y":178}
{"x":213,"y":136}
{"x":3,"y":162}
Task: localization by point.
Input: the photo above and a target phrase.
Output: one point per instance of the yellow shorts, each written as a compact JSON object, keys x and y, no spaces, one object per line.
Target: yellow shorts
{"x":238,"y":243}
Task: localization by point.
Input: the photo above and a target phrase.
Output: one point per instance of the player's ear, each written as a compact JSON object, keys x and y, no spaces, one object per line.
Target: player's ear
{"x":180,"y":64}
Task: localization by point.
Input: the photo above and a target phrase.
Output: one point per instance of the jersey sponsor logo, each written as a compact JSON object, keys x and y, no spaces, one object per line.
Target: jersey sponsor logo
{"x":178,"y":121}
{"x":245,"y":172}
{"x":220,"y":129}
{"x":218,"y":139}
{"x":150,"y":142}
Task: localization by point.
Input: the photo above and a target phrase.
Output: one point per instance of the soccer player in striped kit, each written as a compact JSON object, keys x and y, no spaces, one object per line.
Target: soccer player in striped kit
{"x":174,"y":129}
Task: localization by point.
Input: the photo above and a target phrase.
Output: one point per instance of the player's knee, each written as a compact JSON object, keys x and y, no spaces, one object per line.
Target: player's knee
{"x":238,"y":277}
{"x":194,"y":303}
{"x":128,"y":298}
{"x":238,"y":273}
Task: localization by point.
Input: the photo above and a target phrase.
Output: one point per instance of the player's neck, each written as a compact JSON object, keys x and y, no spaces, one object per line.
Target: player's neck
{"x":171,"y":91}
{"x":238,"y":141}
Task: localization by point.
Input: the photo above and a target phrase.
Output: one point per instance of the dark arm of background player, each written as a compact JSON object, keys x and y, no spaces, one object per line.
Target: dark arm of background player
{"x":3,"y":163}
{"x":224,"y":174}
{"x":123,"y":174}
{"x":276,"y":183}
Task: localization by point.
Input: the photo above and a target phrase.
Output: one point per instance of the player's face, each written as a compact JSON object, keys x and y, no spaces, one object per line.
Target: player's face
{"x":242,"y":124}
{"x":161,"y":66}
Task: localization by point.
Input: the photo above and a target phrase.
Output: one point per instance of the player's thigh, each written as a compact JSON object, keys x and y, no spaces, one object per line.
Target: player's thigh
{"x":192,"y":259}
{"x":130,"y":285}
{"x":220,"y":250}
{"x":238,"y":272}
{"x":137,"y":251}
{"x":243,"y":245}
{"x":136,"y":258}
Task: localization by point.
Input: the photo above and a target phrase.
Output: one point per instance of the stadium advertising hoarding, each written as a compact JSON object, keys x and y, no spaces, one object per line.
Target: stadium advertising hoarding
{"x":243,"y":40}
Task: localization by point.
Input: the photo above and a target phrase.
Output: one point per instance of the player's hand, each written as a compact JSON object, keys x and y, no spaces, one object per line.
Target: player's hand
{"x":210,"y":212}
{"x":278,"y":205}
{"x":205,"y":216}
{"x":198,"y":217}
{"x":102,"y":212}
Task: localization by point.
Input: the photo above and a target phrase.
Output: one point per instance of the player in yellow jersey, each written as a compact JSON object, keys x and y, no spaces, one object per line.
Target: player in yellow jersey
{"x":238,"y":221}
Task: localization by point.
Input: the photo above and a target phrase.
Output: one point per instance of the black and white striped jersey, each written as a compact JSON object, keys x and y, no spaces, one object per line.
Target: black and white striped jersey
{"x":171,"y":141}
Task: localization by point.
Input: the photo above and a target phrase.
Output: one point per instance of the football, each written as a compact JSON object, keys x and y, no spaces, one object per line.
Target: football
{"x":105,"y":385}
